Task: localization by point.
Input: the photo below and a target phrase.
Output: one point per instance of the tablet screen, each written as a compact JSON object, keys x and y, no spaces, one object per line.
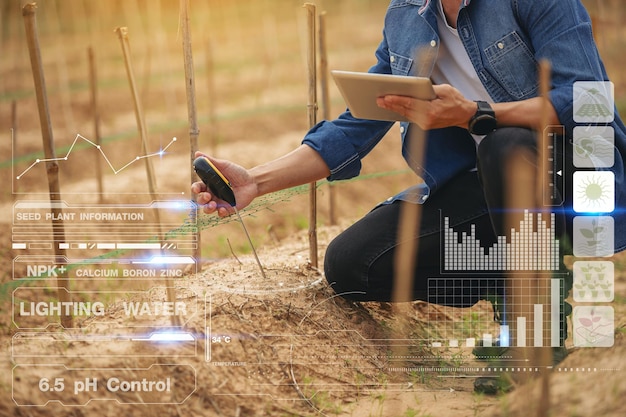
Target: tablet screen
{"x":361,"y":89}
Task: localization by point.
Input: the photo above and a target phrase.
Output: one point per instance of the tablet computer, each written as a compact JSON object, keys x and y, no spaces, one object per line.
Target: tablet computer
{"x":361,"y":89}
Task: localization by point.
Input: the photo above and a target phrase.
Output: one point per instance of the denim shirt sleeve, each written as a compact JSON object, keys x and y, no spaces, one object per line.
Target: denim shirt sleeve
{"x":565,"y":38}
{"x":561,"y":33}
{"x":343,"y":142}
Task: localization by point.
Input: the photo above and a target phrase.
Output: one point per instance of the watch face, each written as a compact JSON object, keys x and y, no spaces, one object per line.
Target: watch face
{"x":483,"y":124}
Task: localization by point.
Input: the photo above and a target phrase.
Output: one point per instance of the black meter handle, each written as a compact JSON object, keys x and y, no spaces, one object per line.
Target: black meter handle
{"x":214,"y":179}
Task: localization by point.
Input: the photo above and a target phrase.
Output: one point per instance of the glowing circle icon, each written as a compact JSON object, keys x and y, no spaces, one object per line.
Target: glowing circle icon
{"x":594,"y":192}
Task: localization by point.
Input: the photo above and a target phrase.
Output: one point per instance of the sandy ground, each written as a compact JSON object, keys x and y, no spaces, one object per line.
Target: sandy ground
{"x":285,"y":345}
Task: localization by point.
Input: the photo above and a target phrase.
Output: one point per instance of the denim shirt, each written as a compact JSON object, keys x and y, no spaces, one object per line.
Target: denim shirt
{"x":505,"y":52}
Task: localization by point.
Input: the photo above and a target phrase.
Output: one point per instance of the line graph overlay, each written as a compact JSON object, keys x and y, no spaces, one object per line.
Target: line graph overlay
{"x":81,"y":137}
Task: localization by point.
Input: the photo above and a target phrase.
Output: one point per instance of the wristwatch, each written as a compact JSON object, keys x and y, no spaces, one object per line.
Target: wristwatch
{"x":484,"y":120}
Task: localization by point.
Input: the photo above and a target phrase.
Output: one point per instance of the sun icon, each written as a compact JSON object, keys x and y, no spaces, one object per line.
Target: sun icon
{"x":594,"y":191}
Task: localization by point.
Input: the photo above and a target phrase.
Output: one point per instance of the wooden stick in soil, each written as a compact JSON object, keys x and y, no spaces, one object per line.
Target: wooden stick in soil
{"x":52,"y":168}
{"x":544,"y":357}
{"x":213,"y":136}
{"x":93,"y":88}
{"x":190,"y":89}
{"x":404,"y":262}
{"x":332,"y":190}
{"x":15,"y":188}
{"x":406,"y":249}
{"x":122,"y":33}
{"x":312,"y":115}
{"x":524,"y":180}
{"x":410,"y":214}
{"x":405,"y":256}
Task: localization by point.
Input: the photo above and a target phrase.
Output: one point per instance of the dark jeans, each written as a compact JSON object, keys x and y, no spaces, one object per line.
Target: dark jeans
{"x":359,"y":263}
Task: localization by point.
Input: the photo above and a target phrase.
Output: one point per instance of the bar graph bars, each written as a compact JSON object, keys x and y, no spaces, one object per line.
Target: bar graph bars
{"x":533,"y":248}
{"x":539,"y":324}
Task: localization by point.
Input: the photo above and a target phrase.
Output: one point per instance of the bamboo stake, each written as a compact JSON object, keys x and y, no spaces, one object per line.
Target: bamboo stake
{"x":14,"y":143}
{"x":544,"y":354}
{"x":405,"y":256}
{"x":520,"y":181}
{"x":312,"y":114}
{"x":410,"y":215}
{"x":326,"y":105}
{"x":122,"y":33}
{"x":210,"y":76}
{"x":93,"y":84}
{"x":596,"y":24}
{"x":190,"y":89}
{"x":147,"y":70}
{"x":52,"y":168}
{"x":527,"y":187}
{"x":64,"y":81}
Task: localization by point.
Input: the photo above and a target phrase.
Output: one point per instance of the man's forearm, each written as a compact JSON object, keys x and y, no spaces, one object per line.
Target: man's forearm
{"x":301,"y":166}
{"x":526,"y":113}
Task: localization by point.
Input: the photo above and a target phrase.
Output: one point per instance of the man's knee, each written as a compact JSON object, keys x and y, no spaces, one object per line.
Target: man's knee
{"x":501,"y":142}
{"x":335,"y":269}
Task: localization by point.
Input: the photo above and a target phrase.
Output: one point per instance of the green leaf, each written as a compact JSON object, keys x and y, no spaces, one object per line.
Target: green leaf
{"x":587,"y":233}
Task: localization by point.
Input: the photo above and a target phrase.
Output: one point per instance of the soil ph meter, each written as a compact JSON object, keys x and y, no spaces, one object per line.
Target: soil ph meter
{"x":220,"y":187}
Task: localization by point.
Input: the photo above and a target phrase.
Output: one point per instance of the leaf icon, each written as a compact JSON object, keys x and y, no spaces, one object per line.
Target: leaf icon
{"x":585,"y":322}
{"x":588,"y":233}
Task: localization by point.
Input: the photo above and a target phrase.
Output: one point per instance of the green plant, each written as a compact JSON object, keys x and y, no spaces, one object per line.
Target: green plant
{"x":409,"y":412}
{"x":381,"y":400}
{"x":321,"y":400}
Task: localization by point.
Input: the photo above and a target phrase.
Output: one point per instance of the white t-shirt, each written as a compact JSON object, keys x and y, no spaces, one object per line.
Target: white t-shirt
{"x":453,"y":65}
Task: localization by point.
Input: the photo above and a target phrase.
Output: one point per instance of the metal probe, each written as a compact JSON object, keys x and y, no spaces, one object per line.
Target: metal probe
{"x":221,"y":188}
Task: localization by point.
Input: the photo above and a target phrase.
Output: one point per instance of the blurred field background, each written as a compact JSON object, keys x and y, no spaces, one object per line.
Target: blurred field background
{"x":251,"y":86}
{"x":249,"y":59}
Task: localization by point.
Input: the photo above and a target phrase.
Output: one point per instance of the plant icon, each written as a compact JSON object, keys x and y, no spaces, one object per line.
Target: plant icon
{"x":593,"y":236}
{"x":593,"y":326}
{"x":593,"y":281}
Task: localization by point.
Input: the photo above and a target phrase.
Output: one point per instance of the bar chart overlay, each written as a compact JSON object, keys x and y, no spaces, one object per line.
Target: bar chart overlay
{"x":533,"y":247}
{"x":536,"y":324}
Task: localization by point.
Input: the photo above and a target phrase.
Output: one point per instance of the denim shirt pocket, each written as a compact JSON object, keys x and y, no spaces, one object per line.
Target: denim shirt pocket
{"x":513,"y":65}
{"x":400,"y":65}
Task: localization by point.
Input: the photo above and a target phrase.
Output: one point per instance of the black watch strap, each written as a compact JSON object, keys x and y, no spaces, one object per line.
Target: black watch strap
{"x":484,"y":120}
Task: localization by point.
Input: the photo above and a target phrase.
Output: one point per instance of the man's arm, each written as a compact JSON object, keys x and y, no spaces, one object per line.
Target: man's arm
{"x":301,"y":166}
{"x":526,"y":113}
{"x":451,"y":108}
